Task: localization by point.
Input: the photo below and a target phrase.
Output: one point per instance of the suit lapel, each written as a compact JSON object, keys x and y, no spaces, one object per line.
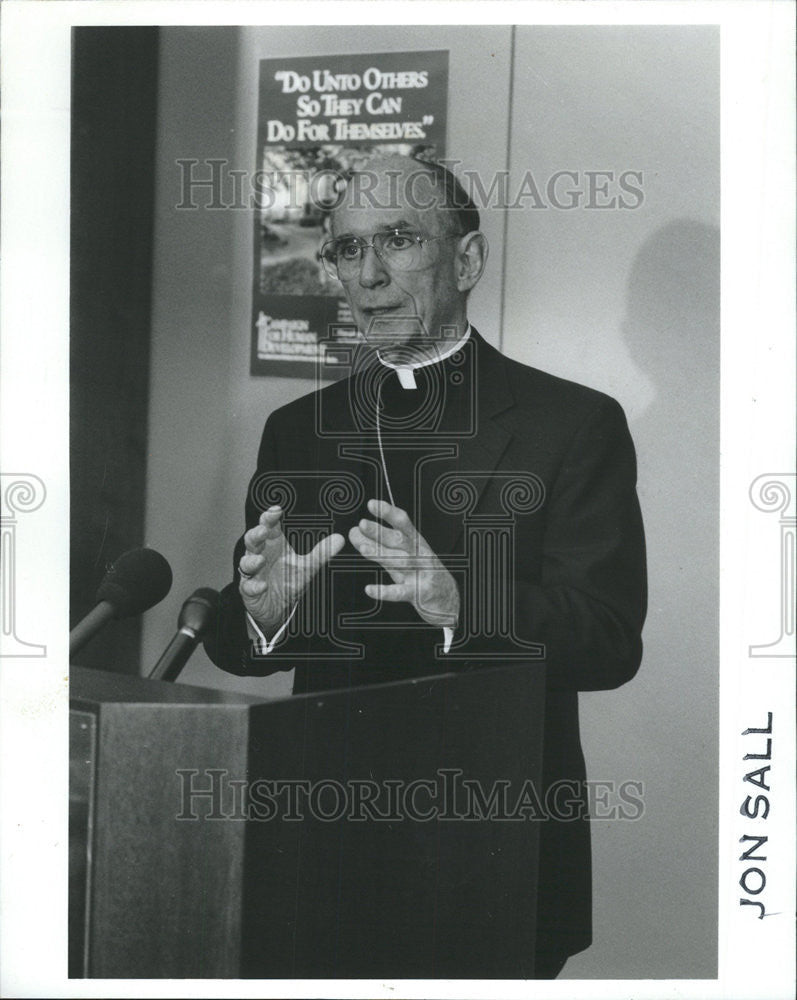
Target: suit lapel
{"x":480,"y":452}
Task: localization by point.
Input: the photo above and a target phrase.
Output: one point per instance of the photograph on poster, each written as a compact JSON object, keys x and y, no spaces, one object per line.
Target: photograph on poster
{"x":394,"y":494}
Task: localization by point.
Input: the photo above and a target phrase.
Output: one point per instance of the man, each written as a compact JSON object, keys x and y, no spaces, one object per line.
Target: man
{"x":490,"y":508}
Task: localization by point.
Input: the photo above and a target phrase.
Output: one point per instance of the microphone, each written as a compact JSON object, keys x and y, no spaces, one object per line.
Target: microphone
{"x":137,"y":581}
{"x":196,"y":616}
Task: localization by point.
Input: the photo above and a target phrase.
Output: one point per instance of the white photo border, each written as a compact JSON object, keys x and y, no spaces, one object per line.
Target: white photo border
{"x":756,"y":957}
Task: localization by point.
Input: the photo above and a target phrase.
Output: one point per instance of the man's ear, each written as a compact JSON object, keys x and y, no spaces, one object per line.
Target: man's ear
{"x":472,"y":253}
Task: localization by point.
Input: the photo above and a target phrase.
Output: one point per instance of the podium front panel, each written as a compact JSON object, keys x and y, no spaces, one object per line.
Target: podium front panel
{"x":163,"y":894}
{"x":395,"y":858}
{"x":437,"y":881}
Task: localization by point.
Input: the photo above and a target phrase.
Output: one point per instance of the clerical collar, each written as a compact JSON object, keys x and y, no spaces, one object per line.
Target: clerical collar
{"x":406,"y":373}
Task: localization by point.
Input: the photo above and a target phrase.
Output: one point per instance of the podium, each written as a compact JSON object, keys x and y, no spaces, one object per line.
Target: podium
{"x":358,"y":833}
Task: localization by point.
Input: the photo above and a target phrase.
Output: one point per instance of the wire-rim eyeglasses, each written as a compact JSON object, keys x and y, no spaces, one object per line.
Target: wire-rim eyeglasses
{"x":398,"y":249}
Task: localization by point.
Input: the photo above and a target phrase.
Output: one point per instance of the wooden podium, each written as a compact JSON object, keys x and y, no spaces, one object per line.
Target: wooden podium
{"x":345,"y":834}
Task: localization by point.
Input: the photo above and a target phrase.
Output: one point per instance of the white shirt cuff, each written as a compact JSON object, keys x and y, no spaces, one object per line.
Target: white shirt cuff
{"x":261,"y":646}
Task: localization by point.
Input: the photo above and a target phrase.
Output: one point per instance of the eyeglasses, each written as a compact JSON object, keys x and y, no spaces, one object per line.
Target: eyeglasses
{"x":398,"y":249}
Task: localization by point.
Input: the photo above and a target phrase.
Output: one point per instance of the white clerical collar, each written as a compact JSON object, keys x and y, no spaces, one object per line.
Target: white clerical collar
{"x":406,"y":372}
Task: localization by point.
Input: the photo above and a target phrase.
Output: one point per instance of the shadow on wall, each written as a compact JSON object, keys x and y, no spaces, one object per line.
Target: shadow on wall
{"x":672,"y":322}
{"x":672,"y":331}
{"x":668,"y":715}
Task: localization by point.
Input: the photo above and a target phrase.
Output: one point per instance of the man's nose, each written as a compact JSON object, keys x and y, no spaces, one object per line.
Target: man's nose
{"x":372,"y":269}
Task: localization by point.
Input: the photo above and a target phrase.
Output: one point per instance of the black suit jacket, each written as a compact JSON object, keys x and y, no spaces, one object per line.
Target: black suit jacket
{"x":503,"y":451}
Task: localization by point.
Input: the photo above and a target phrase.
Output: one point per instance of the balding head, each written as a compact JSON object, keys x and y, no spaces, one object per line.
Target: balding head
{"x":394,"y":181}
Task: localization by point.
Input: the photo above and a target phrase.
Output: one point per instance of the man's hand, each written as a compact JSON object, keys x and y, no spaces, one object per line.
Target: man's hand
{"x":418,"y":575}
{"x":273,"y":576}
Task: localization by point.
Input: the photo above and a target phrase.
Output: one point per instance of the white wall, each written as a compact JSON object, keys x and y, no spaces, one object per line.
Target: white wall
{"x":622,"y":301}
{"x":628,"y":302}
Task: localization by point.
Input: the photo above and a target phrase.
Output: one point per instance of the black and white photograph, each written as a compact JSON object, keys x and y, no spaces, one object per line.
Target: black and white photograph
{"x":403,"y":438}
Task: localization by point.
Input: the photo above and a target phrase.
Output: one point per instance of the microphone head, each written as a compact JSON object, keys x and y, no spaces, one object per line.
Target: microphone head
{"x":199,"y":610}
{"x":137,"y":581}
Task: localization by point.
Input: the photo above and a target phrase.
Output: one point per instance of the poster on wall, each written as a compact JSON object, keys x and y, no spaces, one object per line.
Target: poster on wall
{"x":318,"y":117}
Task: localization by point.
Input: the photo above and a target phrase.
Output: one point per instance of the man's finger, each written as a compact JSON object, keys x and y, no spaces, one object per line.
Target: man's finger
{"x":250,"y":564}
{"x":254,"y":587}
{"x":271,"y":516}
{"x":256,"y":539}
{"x":390,"y":538}
{"x":393,"y":592}
{"x":395,"y":516}
{"x":389,"y":559}
{"x":271,"y":523}
{"x":323,"y":552}
{"x":396,"y":558}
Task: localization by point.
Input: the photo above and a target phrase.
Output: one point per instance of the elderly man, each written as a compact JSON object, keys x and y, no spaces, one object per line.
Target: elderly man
{"x":489,"y":508}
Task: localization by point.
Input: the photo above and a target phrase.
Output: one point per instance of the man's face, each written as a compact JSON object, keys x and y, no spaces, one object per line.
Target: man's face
{"x":393,"y":307}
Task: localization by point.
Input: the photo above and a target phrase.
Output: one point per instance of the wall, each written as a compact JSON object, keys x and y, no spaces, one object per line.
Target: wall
{"x":191,"y":502}
{"x":114,"y":118}
{"x":627,"y":301}
{"x":621,"y":300}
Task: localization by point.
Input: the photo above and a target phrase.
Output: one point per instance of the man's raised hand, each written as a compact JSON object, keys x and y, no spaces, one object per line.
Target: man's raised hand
{"x":419,"y":577}
{"x":272,"y":575}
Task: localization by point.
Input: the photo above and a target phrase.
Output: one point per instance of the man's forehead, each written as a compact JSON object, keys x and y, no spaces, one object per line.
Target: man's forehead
{"x":387,"y":197}
{"x":365,"y":221}
{"x":372,"y":226}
